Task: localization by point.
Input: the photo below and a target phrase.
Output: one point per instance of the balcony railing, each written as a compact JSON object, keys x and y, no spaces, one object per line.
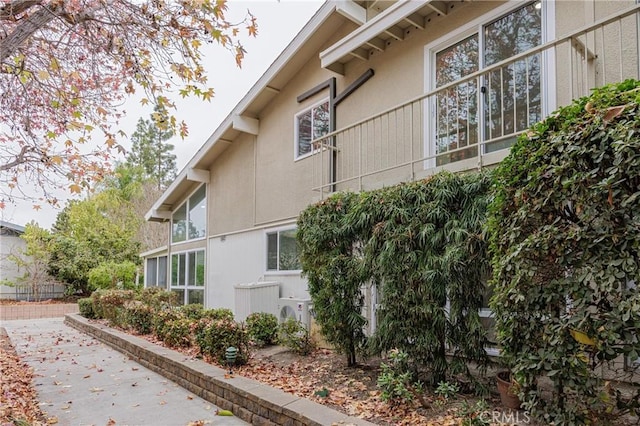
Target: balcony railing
{"x":470,"y":123}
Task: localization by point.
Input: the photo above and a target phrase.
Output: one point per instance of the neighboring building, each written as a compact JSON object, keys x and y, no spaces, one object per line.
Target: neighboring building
{"x":10,"y":243}
{"x":369,"y":94}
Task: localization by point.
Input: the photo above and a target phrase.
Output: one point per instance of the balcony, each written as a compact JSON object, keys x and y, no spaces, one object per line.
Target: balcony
{"x":469,"y":123}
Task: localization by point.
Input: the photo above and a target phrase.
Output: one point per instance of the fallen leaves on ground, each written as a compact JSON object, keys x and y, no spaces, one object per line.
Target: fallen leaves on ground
{"x":18,"y":398}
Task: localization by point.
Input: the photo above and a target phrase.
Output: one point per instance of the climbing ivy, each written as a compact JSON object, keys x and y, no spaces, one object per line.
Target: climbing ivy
{"x":421,"y":243}
{"x":565,"y":238}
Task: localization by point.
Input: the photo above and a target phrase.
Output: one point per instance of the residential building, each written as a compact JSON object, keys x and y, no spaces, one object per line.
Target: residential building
{"x":370,"y":94}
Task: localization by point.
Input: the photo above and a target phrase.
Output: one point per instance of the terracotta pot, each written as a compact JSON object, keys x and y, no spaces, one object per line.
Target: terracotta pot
{"x":508,"y":397}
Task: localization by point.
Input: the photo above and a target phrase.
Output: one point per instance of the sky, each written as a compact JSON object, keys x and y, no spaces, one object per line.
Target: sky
{"x":278,"y":23}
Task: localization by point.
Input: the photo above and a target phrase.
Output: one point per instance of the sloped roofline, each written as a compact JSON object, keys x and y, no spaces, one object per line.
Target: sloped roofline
{"x":161,"y":210}
{"x":12,"y":226}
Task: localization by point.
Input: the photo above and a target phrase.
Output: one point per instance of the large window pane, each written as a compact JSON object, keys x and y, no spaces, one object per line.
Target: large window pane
{"x":199,"y":268}
{"x":162,"y":271}
{"x":179,"y":224}
{"x":513,"y":91}
{"x":272,"y":251}
{"x":191,"y":272}
{"x":152,"y":268}
{"x":195,"y":296}
{"x":304,"y":133}
{"x":182,"y":265}
{"x":321,"y":120}
{"x":180,"y":293}
{"x":197,"y":213}
{"x":288,"y":253}
{"x":174,"y":269}
{"x":456,"y":107}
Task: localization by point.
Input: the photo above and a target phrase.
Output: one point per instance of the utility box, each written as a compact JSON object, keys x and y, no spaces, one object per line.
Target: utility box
{"x":261,"y":296}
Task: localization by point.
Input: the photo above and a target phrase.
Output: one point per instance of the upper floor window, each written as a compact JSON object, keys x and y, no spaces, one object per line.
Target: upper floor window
{"x":310,"y":125}
{"x":189,"y":221}
{"x":493,"y":107}
{"x":282,"y":251}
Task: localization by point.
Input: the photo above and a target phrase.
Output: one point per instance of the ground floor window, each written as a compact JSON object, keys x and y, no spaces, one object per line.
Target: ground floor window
{"x":187,"y":276}
{"x":156,"y":272}
{"x":282,"y":250}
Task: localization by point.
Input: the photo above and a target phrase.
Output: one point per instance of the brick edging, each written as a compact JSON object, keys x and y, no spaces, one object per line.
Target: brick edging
{"x":248,"y":399}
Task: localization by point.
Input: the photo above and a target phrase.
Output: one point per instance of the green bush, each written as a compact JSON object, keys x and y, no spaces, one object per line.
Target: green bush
{"x":296,"y":337}
{"x":161,"y":320}
{"x":177,"y":332}
{"x":563,"y":228}
{"x":112,"y":275}
{"x":218,"y":314}
{"x":193,"y":311}
{"x":111,"y":304}
{"x":138,"y":316}
{"x":158,"y":298}
{"x":86,"y":307}
{"x":262,"y":328}
{"x":213,"y":337}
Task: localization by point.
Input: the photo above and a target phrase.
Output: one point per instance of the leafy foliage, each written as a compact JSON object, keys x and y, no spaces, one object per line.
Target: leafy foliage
{"x":69,"y":65}
{"x":422,"y":244}
{"x":396,"y":379}
{"x":566,"y":255}
{"x":85,"y":305}
{"x":157,"y":297}
{"x":262,"y":328}
{"x":138,"y":316}
{"x":296,"y":337}
{"x":113,"y":275}
{"x":213,"y":337}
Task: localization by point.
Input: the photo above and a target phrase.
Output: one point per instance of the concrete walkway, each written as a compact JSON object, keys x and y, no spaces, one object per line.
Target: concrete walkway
{"x":81,"y":381}
{"x":36,"y":310}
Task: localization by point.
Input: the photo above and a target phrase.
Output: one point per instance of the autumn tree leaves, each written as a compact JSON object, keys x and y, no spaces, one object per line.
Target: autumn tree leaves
{"x":66,"y":67}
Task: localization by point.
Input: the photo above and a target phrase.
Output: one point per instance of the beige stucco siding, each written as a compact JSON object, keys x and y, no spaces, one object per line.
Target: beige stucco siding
{"x":232,"y":195}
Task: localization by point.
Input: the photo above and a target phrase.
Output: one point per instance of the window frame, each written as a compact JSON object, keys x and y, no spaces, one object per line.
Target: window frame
{"x":278,"y":271}
{"x":186,"y":204}
{"x":296,"y":134}
{"x":186,"y":285}
{"x":477,"y":26}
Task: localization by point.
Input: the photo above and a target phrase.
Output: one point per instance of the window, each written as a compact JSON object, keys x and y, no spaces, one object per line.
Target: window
{"x":187,"y":276}
{"x":310,"y":125}
{"x":282,"y":251}
{"x":510,"y":96}
{"x":156,"y":272}
{"x":189,"y":221}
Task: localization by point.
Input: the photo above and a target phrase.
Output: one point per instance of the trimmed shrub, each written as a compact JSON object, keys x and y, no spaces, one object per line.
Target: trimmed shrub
{"x":213,"y":337}
{"x":262,"y":328}
{"x":193,"y":311}
{"x":86,"y":307}
{"x":161,"y":320}
{"x":158,"y":298}
{"x":111,"y":275}
{"x":218,"y":314}
{"x":296,"y":337}
{"x":177,"y":332}
{"x":111,"y":304}
{"x":138,"y":316}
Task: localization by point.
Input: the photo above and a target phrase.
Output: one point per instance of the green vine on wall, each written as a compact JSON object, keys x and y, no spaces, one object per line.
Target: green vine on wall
{"x":565,"y":237}
{"x":422,"y":244}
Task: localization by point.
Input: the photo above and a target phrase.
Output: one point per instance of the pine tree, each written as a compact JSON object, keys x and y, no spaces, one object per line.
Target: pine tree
{"x":151,"y":151}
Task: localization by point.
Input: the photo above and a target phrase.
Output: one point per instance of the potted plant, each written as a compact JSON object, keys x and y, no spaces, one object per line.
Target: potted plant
{"x":508,"y":390}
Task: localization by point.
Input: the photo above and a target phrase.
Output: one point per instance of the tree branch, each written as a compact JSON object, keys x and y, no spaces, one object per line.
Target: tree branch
{"x":10,"y":11}
{"x":27,"y":28}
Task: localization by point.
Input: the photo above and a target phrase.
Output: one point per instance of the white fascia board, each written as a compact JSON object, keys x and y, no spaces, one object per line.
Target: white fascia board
{"x":370,"y":30}
{"x":153,"y":251}
{"x":351,"y":11}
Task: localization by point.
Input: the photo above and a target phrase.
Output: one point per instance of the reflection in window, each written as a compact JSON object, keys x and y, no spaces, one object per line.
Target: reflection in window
{"x":189,"y":221}
{"x":282,"y":251}
{"x":310,"y":125}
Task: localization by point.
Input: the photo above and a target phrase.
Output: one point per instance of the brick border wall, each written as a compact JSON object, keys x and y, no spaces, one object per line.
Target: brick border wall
{"x":248,"y":399}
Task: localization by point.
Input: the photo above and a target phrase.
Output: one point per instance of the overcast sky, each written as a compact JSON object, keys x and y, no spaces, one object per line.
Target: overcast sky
{"x":278,"y":23}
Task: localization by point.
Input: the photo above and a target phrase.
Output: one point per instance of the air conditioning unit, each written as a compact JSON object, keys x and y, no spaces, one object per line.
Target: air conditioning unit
{"x":298,"y":309}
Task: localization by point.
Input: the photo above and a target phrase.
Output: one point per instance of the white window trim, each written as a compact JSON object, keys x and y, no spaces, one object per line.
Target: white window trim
{"x":296,"y":156}
{"x":186,"y":286}
{"x":475,"y":26}
{"x":266,"y":251}
{"x":186,"y":203}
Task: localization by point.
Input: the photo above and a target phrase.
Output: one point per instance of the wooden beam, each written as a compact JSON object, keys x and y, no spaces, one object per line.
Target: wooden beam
{"x":415,"y":20}
{"x":350,"y":10}
{"x":160,"y":215}
{"x":198,"y":175}
{"x":376,"y":43}
{"x":395,"y":32}
{"x":271,"y":90}
{"x":438,"y":6}
{"x":246,"y":124}
{"x":361,"y":53}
